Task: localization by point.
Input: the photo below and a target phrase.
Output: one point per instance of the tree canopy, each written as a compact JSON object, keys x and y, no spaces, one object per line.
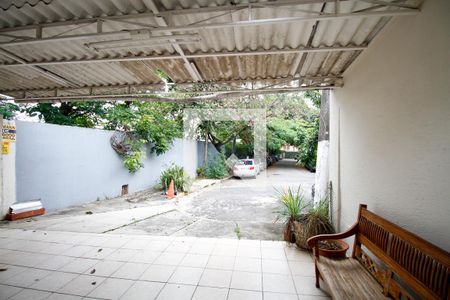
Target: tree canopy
{"x":291,"y":119}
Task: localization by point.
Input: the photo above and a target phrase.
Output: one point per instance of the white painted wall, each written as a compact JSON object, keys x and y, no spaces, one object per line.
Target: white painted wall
{"x":8,"y":175}
{"x":390,"y":127}
{"x":64,"y":166}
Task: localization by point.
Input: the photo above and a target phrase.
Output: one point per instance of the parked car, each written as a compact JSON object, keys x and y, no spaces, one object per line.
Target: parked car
{"x":246,"y":168}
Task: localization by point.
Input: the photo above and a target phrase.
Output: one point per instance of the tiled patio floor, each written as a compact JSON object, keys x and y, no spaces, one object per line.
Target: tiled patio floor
{"x":65,"y":265}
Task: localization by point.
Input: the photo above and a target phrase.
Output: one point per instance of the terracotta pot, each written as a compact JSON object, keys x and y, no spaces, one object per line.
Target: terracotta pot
{"x":340,"y":253}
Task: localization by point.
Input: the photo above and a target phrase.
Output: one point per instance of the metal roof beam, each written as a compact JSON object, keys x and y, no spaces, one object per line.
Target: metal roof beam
{"x":49,"y":75}
{"x":149,"y":13}
{"x":188,"y":56}
{"x":154,"y":98}
{"x":168,"y":30}
{"x":258,"y":22}
{"x":190,"y":67}
{"x":92,"y":90}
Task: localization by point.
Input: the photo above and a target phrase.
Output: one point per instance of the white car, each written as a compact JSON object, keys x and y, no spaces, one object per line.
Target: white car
{"x":246,"y":168}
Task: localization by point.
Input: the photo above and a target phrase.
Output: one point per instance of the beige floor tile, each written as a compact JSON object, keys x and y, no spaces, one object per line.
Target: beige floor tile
{"x":7,"y":291}
{"x":248,"y":264}
{"x":160,"y":273}
{"x":145,"y":256}
{"x":111,"y":288}
{"x":278,"y":283}
{"x":221,"y":262}
{"x":56,"y":296}
{"x":10,"y":272}
{"x":143,"y":290}
{"x":27,"y":278}
{"x":279,"y":296}
{"x":176,"y":291}
{"x":275,"y":266}
{"x":186,"y":275}
{"x":195,"y":260}
{"x":246,"y":281}
{"x":79,"y":265}
{"x":273,"y":253}
{"x":158,"y":245}
{"x":54,"y":281}
{"x":98,"y":253}
{"x":307,"y":286}
{"x":82,"y":285}
{"x":293,"y":253}
{"x":122,"y":255}
{"x":104,"y":268}
{"x":170,"y":258}
{"x":244,"y":295}
{"x":136,"y":244}
{"x":216,"y":278}
{"x":210,"y":293}
{"x":78,"y":251}
{"x":302,"y":268}
{"x":131,"y":270}
{"x":55,"y":263}
{"x":30,"y":295}
{"x":246,"y":251}
{"x":225,"y":250}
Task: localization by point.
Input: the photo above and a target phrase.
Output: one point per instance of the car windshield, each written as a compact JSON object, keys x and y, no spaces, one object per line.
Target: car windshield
{"x":248,"y":162}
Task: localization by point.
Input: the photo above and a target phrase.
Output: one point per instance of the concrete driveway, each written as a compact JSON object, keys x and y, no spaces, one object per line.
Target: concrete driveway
{"x":233,"y":207}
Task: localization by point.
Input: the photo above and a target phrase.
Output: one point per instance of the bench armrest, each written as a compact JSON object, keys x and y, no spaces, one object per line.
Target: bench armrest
{"x":313,"y":242}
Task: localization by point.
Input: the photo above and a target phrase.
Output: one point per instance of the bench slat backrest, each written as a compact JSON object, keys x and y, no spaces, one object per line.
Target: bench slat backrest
{"x":421,"y":266}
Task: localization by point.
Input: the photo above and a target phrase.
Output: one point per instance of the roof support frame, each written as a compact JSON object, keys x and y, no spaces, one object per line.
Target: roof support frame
{"x":150,"y":13}
{"x":188,"y":56}
{"x":165,"y":97}
{"x":190,"y":67}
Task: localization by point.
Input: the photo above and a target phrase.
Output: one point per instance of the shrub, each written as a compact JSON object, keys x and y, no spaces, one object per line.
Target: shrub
{"x":216,"y":168}
{"x":182,"y":181}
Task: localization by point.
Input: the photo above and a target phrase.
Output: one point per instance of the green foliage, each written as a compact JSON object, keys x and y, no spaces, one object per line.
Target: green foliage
{"x":317,"y":220}
{"x":314,"y":96}
{"x":200,"y":172}
{"x":308,"y":136}
{"x":82,"y":114}
{"x":237,"y":230}
{"x":216,"y":168}
{"x":181,"y":180}
{"x":293,"y":205}
{"x":8,"y":109}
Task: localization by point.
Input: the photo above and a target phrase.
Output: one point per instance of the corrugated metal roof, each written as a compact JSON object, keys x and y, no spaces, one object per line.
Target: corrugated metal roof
{"x":289,"y":35}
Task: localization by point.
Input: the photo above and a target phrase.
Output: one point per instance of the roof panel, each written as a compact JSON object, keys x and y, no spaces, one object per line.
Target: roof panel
{"x":287,"y":35}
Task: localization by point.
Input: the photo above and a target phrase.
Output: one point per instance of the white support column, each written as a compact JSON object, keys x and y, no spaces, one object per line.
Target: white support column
{"x":7,"y":166}
{"x":322,"y":164}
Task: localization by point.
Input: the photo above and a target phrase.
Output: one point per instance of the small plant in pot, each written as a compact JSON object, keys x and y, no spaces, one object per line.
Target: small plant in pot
{"x":292,"y":205}
{"x":315,"y":221}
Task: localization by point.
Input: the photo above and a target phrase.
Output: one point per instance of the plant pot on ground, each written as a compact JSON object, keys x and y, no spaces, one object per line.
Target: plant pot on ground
{"x":292,"y":204}
{"x":314,"y":221}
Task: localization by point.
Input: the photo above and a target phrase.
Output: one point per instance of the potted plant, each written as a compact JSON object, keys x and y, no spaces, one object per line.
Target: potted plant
{"x":313,"y":222}
{"x":292,"y":205}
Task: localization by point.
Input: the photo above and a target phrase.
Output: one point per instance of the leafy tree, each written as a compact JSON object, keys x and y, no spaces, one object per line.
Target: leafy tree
{"x":8,"y":109}
{"x":82,"y":114}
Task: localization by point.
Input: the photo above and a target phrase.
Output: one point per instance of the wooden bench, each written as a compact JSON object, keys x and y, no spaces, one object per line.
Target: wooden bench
{"x":387,"y":261}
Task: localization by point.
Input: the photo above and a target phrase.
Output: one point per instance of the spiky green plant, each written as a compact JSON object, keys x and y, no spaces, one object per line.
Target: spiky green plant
{"x":293,"y":205}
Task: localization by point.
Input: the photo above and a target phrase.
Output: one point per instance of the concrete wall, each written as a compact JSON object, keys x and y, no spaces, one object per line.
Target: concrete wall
{"x":66,"y":166}
{"x":390,"y":127}
{"x":7,"y":169}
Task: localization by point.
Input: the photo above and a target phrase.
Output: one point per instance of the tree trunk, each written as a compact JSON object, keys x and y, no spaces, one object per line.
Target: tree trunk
{"x":205,"y":158}
{"x":233,"y":149}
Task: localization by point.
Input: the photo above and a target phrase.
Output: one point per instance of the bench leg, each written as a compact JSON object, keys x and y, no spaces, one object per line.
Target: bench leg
{"x":317,"y":276}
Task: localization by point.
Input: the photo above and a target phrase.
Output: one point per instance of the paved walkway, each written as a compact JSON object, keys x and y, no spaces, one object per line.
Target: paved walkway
{"x":38,"y":264}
